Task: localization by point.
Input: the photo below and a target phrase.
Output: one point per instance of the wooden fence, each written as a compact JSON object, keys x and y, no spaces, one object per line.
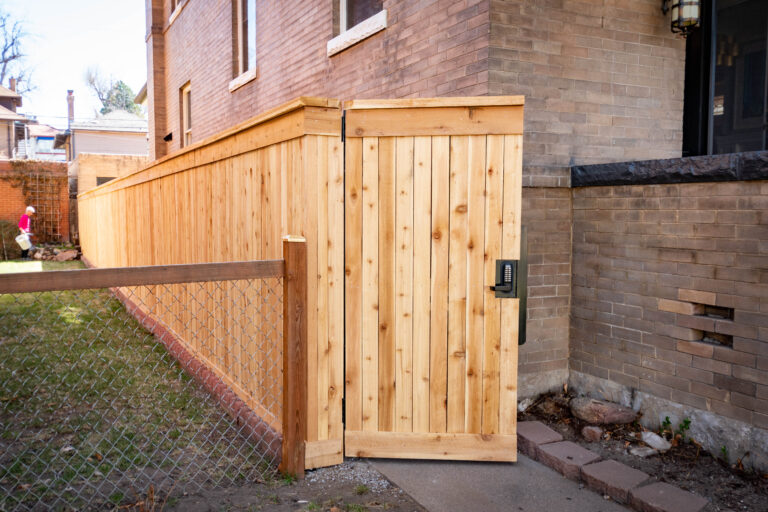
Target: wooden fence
{"x":232,"y":198}
{"x":446,"y":195}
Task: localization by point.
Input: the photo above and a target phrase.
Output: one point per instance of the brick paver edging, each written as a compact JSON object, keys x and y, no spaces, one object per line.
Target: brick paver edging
{"x":619,"y":481}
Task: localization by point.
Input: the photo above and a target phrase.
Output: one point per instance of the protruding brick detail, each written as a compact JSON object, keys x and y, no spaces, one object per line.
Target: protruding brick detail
{"x":612,"y":478}
{"x":531,"y":434}
{"x":566,"y":457}
{"x":697,"y":295}
{"x":684,"y":308}
{"x":661,"y":497}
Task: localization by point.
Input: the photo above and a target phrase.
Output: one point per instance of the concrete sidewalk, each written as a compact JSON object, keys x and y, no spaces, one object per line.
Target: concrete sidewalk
{"x":446,"y":486}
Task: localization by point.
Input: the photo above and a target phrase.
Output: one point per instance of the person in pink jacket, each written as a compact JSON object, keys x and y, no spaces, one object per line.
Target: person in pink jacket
{"x":25,"y":223}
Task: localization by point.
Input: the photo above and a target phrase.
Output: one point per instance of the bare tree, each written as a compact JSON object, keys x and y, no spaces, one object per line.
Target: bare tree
{"x":12,"y":57}
{"x":113,"y":95}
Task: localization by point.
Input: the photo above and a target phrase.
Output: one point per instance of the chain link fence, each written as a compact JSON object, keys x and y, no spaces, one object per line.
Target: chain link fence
{"x":108,"y":395}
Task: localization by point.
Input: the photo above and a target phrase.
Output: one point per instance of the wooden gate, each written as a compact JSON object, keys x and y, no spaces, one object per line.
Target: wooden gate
{"x":432,"y":200}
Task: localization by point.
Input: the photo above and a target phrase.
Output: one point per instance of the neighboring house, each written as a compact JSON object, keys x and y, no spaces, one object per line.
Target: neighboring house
{"x":38,"y":143}
{"x":604,"y":82}
{"x":117,"y":132}
{"x":118,"y":137}
{"x":9,"y":101}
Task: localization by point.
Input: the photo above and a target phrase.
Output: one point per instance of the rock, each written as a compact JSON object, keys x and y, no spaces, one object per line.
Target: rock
{"x":66,"y":256}
{"x":67,"y":449}
{"x":643,"y":451}
{"x":656,"y":442}
{"x":592,"y":434}
{"x":56,"y":251}
{"x":600,"y":412}
{"x":38,"y":255}
{"x":524,"y":404}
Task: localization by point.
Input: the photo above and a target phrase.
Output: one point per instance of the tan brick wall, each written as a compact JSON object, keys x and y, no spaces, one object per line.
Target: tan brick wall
{"x":647,"y":260}
{"x":543,"y":359}
{"x":603,"y":81}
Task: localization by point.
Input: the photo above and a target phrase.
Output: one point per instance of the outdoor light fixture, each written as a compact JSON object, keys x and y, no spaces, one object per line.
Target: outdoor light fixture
{"x":686,"y":14}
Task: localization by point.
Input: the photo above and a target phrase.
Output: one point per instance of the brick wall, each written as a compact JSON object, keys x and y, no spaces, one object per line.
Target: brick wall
{"x":603,"y":81}
{"x":649,"y":261}
{"x":430,"y":48}
{"x":543,"y":359}
{"x":13,"y":201}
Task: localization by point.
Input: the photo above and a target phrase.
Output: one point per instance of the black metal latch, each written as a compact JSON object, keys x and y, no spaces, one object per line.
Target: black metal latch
{"x":512,"y":282}
{"x":506,"y":271}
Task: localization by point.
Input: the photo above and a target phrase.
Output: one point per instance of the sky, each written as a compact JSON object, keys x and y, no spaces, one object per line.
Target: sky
{"x":66,"y":37}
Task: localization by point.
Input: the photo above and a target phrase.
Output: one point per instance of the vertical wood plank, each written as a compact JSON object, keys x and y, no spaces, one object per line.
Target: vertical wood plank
{"x":438,"y":346}
{"x":457,"y":283}
{"x":321,"y":277}
{"x":295,"y":355}
{"x":475,"y":256}
{"x":370,"y":292}
{"x":335,"y":286}
{"x":513,"y":176}
{"x":492,"y":319}
{"x":403,"y":327}
{"x":387,"y":319}
{"x":353,"y":270}
{"x":308,"y":208}
{"x":422,"y":236}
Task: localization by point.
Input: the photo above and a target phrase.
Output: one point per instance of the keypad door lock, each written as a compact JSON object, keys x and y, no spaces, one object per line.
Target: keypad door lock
{"x":506,"y":274}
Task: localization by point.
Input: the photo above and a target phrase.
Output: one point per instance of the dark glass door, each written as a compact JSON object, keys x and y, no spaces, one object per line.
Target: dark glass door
{"x":740,"y":93}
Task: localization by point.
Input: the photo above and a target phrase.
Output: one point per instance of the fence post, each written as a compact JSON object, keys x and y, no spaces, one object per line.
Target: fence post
{"x":294,"y":355}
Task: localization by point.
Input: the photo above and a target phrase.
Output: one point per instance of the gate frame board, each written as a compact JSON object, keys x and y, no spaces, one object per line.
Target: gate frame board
{"x":377,"y":146}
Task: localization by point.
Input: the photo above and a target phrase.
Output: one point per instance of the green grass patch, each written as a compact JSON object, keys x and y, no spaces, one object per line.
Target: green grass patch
{"x":87,"y":395}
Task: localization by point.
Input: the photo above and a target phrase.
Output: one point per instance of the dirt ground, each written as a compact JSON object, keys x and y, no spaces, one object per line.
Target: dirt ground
{"x":351,"y":487}
{"x":686,"y":466}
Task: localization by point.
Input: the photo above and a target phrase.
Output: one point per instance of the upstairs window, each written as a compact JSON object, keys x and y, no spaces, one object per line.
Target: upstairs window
{"x":186,"y":115}
{"x":354,"y":21}
{"x":246,"y":35}
{"x":354,"y":12}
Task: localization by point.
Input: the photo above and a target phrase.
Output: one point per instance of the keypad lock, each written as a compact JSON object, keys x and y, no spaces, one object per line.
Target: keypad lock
{"x":506,"y":273}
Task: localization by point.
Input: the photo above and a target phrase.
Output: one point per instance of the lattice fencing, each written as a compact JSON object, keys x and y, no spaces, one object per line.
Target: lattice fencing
{"x":106,"y":393}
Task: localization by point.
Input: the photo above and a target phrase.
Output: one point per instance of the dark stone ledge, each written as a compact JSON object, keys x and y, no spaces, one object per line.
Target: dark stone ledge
{"x":729,"y":167}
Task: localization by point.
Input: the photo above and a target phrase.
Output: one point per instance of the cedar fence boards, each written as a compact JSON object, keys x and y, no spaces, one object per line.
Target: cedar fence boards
{"x":234,"y":197}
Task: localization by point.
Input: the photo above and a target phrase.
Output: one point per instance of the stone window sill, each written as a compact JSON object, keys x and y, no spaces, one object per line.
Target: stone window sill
{"x":243,"y":79}
{"x":175,"y":14}
{"x":362,"y":30}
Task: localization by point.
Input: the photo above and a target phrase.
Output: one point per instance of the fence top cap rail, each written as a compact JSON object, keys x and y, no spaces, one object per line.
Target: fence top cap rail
{"x":285,"y":108}
{"x":466,"y":101}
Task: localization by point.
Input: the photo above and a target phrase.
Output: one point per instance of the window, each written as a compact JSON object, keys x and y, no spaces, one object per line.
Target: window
{"x":726,"y":79}
{"x":357,"y":20}
{"x":100,"y":180}
{"x":354,"y":12}
{"x":246,"y":35}
{"x":186,"y":115}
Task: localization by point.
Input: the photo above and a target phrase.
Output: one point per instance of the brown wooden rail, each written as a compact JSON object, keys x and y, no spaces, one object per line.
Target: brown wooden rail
{"x":134,"y":276}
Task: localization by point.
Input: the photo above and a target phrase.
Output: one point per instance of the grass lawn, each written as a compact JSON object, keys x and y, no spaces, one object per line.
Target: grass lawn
{"x":15,"y":266}
{"x":94,"y":410}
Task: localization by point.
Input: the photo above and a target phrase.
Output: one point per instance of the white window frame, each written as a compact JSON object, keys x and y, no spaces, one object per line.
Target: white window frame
{"x":186,"y":115}
{"x":350,"y":36}
{"x":244,"y":73}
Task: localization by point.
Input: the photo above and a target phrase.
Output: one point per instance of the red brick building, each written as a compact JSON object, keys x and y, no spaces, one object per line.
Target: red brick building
{"x":604,"y":81}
